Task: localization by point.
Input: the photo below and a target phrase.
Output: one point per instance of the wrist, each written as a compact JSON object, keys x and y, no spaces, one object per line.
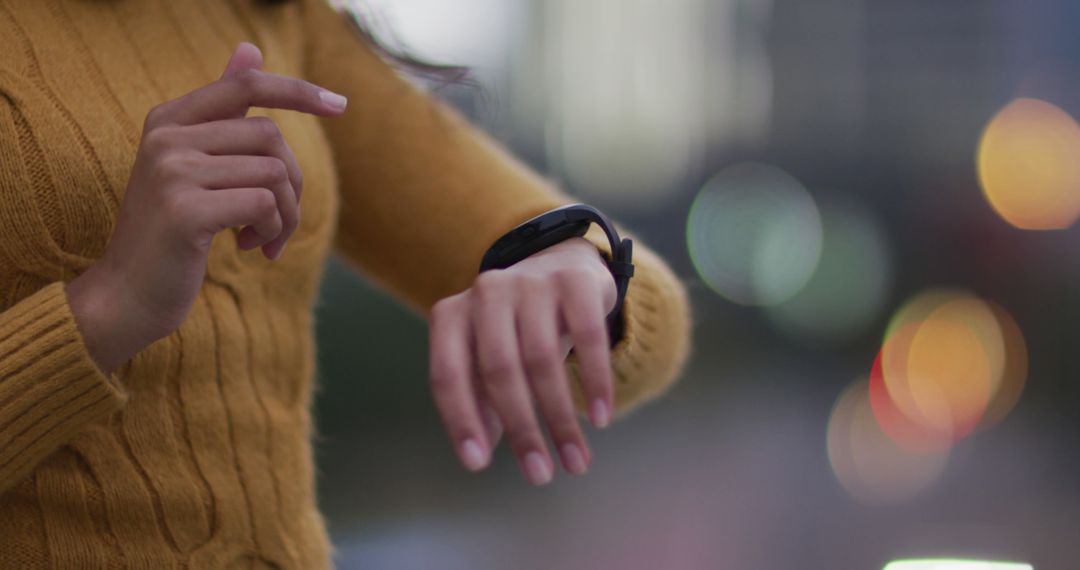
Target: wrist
{"x":563,"y":229}
{"x":109,"y":332}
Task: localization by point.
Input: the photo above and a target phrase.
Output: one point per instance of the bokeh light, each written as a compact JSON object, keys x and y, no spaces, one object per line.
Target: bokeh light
{"x":869,"y":464}
{"x":846,"y":292}
{"x":896,"y":424}
{"x":476,"y":33}
{"x":954,"y":564}
{"x":624,"y":95}
{"x":1014,"y":373}
{"x":918,"y":307}
{"x":950,"y":363}
{"x":954,"y":364}
{"x":754,"y":234}
{"x":894,"y":373}
{"x":1029,"y":165}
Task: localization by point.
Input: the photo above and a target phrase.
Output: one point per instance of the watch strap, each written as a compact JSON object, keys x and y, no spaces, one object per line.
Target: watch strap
{"x":557,"y":225}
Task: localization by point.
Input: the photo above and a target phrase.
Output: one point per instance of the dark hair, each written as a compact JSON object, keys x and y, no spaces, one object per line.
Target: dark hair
{"x":440,"y":74}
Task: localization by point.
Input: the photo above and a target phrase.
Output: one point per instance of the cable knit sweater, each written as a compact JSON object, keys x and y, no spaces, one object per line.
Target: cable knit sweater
{"x":196,"y":453}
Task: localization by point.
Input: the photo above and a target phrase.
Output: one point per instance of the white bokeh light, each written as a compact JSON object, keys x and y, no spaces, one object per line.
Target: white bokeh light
{"x":475,"y":33}
{"x":754,"y":234}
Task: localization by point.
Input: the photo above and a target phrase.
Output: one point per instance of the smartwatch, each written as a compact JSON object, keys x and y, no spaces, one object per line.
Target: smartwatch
{"x":560,"y":224}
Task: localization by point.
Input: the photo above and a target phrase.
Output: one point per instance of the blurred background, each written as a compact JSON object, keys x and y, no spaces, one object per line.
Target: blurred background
{"x":871,"y":203}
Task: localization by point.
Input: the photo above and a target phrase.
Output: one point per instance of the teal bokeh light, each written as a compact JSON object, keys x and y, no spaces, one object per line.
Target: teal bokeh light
{"x":754,"y":234}
{"x":847,"y":292}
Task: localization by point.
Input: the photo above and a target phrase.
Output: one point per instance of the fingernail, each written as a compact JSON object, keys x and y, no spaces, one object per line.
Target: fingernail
{"x":600,"y":414}
{"x":472,"y":455}
{"x":573,"y":459}
{"x":333,"y":100}
{"x":279,"y":252}
{"x":537,"y":469}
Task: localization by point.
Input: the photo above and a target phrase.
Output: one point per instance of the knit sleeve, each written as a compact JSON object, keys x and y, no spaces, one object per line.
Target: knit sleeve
{"x":50,"y":386}
{"x":424,"y":194}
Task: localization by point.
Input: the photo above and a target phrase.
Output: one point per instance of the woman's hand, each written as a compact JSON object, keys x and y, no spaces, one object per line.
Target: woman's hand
{"x":201,"y":167}
{"x":500,"y":345}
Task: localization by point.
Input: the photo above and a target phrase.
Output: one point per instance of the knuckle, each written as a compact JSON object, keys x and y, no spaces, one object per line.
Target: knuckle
{"x":442,"y":379}
{"x":442,"y":308}
{"x":154,"y":117}
{"x":246,"y":79}
{"x":275,"y":225}
{"x":540,"y":356}
{"x":533,"y":284}
{"x":498,"y":368}
{"x":274,"y":169}
{"x":572,"y":276}
{"x":157,"y":139}
{"x":288,"y":208}
{"x":175,"y":207}
{"x":438,"y":311}
{"x":175,"y":165}
{"x":264,"y":203}
{"x":182,"y":217}
{"x":267,"y":128}
{"x":491,"y":282}
{"x":591,"y":331}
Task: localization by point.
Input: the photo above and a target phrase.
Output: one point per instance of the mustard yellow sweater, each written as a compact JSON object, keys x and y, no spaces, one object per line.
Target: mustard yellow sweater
{"x":196,"y":452}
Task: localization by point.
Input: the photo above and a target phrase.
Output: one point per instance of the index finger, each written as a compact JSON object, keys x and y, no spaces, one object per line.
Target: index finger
{"x":232,"y":96}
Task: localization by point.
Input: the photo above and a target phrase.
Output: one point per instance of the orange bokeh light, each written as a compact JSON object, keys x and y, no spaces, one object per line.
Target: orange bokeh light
{"x":1014,"y":374}
{"x":1029,"y":165}
{"x":908,"y":434}
{"x":894,"y":365}
{"x":950,"y":363}
{"x":950,"y":376}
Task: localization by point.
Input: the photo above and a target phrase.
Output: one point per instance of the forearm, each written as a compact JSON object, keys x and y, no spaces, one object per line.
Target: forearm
{"x":424,"y":194}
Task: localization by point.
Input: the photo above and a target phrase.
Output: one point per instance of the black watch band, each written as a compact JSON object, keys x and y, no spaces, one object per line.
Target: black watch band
{"x":560,"y":224}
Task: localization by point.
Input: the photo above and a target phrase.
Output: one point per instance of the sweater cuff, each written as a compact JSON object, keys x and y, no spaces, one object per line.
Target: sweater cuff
{"x":655,"y":345}
{"x":50,"y":386}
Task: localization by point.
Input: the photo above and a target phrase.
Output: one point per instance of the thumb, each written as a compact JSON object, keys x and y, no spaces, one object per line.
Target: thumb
{"x":246,"y":56}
